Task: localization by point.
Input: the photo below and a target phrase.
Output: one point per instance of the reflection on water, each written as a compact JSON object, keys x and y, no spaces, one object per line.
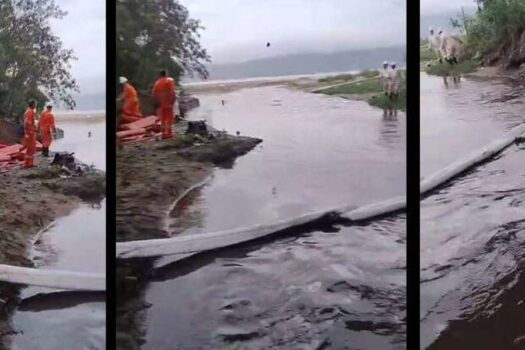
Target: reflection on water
{"x":473,"y":231}
{"x":75,"y":243}
{"x":329,"y":287}
{"x":86,"y":137}
{"x":458,"y":120}
{"x":318,"y":152}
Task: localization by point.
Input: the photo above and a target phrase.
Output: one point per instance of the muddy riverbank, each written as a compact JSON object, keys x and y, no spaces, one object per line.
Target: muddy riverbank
{"x":150,"y":176}
{"x":31,"y":200}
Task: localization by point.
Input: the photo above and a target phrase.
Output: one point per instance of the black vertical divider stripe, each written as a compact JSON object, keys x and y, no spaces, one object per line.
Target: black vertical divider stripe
{"x":110,"y":176}
{"x":413,"y":175}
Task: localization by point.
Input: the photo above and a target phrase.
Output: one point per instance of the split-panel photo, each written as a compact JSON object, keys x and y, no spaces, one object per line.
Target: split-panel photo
{"x":260,"y":174}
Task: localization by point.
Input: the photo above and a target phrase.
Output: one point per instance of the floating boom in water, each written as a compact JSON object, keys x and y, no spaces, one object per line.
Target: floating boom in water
{"x":53,"y":278}
{"x":451,"y":171}
{"x":187,"y":245}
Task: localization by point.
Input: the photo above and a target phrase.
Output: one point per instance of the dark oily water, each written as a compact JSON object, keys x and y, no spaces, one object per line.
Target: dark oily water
{"x":464,"y":117}
{"x":340,"y":288}
{"x":328,"y":288}
{"x":51,"y":319}
{"x":472,"y":231}
{"x":473,"y":259}
{"x":318,"y":152}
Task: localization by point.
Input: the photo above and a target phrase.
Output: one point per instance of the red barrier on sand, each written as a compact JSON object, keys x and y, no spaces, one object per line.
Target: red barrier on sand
{"x":9,"y":150}
{"x":143,"y":123}
{"x":126,"y":133}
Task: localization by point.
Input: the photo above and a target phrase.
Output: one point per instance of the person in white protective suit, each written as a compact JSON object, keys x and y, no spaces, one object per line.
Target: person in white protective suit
{"x":383,"y":77}
{"x":451,"y":47}
{"x":434,"y":43}
{"x":394,"y":81}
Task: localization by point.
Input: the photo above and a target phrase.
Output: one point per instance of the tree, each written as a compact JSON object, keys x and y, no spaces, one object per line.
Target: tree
{"x":157,"y":34}
{"x":33,"y":63}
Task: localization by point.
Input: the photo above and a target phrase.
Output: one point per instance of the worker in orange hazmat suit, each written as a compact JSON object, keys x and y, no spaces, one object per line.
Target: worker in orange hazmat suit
{"x":164,"y":95}
{"x":47,"y":129}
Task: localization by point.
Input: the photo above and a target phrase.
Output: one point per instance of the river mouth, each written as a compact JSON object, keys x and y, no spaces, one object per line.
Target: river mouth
{"x":76,"y":242}
{"x":322,"y":288}
{"x":473,"y":230}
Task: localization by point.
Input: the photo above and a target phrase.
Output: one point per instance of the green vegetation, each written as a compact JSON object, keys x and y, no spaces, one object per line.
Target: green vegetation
{"x":33,"y":63}
{"x":496,"y":27}
{"x":426,"y":54}
{"x":157,"y":34}
{"x":337,"y":78}
{"x":355,"y":87}
{"x":369,"y":73}
{"x":372,"y":87}
{"x":445,"y":69}
{"x":45,"y":173}
{"x":382,"y":101}
{"x":341,"y":78}
{"x":495,"y":34}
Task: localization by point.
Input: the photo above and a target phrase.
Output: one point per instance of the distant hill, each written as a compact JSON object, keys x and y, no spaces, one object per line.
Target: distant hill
{"x":442,"y":20}
{"x":307,"y":63}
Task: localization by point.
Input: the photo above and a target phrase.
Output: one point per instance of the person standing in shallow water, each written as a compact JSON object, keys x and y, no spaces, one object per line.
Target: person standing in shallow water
{"x":29,"y":141}
{"x":47,"y":129}
{"x":164,"y":95}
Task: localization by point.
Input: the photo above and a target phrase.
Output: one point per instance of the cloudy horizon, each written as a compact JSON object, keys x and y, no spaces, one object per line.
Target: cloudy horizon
{"x":238,"y":30}
{"x":437,"y":7}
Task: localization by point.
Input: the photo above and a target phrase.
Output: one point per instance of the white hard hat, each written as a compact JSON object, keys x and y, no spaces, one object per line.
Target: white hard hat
{"x":49,"y":104}
{"x":122,"y":80}
{"x":430,"y":28}
{"x":385,"y":63}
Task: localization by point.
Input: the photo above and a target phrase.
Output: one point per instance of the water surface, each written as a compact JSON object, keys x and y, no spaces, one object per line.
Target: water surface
{"x":472,"y":231}
{"x":324,"y":288}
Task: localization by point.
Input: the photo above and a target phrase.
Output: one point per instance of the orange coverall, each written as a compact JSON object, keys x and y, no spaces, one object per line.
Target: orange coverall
{"x":30,"y":137}
{"x":47,"y":125}
{"x":164,"y":94}
{"x":131,"y":108}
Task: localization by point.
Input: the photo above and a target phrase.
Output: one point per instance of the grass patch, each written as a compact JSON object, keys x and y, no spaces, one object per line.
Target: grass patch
{"x":445,"y":69}
{"x":369,"y":73}
{"x":340,"y":78}
{"x":89,"y":187}
{"x":372,"y":86}
{"x":46,"y":173}
{"x":357,"y":87}
{"x":426,"y":54}
{"x":337,"y":78}
{"x":382,"y":101}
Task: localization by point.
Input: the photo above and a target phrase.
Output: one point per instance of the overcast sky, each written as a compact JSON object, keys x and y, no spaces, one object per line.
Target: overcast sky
{"x":84,"y":31}
{"x":436,"y":7}
{"x":238,"y":30}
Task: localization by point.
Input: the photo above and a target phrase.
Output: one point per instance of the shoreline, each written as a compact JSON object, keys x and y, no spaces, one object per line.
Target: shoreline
{"x":32,"y":199}
{"x":170,"y":168}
